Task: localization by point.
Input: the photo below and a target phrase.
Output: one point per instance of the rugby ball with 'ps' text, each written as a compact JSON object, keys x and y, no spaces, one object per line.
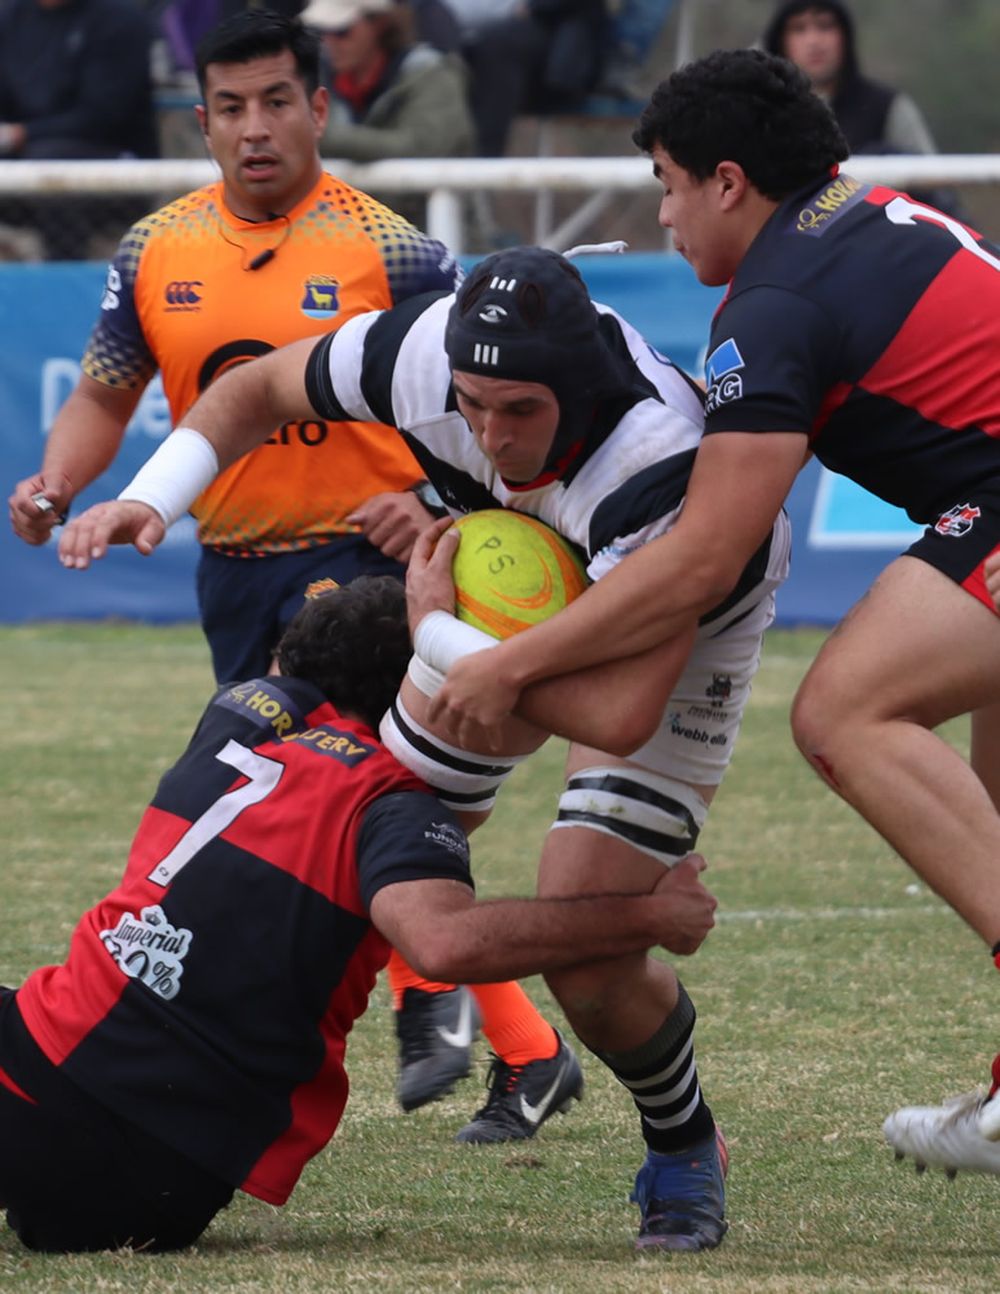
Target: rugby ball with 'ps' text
{"x":512,"y":571}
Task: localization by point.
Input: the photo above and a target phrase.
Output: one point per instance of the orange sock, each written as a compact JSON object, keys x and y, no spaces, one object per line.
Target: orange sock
{"x":401,"y":977}
{"x":514,"y":1027}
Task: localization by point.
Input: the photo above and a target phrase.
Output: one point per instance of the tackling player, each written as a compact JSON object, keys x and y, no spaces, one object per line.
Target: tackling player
{"x":519,"y":392}
{"x":193,"y":1042}
{"x":277,"y":249}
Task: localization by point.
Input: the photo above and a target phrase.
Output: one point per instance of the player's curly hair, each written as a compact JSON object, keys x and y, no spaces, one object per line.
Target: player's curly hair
{"x":257,"y":33}
{"x":352,"y":643}
{"x":748,"y":107}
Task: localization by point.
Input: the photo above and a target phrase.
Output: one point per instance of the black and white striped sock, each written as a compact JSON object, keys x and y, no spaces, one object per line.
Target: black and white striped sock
{"x":662,"y":1078}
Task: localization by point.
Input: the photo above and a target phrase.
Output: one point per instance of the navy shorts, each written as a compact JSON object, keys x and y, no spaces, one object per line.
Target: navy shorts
{"x":963,"y":537}
{"x":74,"y":1176}
{"x":246,"y":602}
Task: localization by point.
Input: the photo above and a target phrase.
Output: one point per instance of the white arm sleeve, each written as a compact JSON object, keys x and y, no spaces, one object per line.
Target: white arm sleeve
{"x":172,"y":479}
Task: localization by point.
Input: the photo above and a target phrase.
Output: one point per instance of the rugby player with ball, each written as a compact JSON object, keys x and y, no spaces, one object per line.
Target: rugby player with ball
{"x":518,"y":392}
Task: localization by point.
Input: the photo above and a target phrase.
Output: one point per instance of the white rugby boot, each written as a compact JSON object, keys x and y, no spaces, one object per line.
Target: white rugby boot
{"x":962,"y":1135}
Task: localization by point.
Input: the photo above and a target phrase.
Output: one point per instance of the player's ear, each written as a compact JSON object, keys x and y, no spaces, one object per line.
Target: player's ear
{"x":732,"y":182}
{"x":319,"y":105}
{"x":201,"y":113}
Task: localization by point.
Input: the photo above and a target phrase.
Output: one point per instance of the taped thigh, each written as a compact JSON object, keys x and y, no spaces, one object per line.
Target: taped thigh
{"x":657,"y":815}
{"x":459,"y":778}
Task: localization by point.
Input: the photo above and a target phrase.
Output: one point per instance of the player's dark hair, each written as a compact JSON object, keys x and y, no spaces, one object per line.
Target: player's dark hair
{"x":257,"y":33}
{"x":748,"y":107}
{"x":353,"y":644}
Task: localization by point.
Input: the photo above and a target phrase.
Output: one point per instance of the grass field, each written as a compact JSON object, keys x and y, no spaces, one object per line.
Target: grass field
{"x":833,"y":989}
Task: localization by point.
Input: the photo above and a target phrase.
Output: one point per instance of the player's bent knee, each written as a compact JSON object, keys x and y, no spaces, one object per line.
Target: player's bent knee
{"x":655,"y":814}
{"x":814,"y":719}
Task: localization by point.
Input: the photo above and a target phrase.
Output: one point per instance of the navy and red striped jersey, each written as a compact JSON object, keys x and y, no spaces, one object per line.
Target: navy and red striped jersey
{"x":209,"y":997}
{"x":871,"y":323}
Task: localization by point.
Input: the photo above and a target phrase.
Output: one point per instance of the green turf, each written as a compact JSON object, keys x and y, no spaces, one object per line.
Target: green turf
{"x":833,"y":989}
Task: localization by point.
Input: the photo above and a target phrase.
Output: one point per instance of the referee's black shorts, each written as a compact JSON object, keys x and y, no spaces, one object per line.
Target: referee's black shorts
{"x":74,"y":1176}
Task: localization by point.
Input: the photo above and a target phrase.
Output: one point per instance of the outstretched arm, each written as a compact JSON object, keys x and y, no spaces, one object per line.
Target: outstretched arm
{"x":237,"y":412}
{"x":446,"y":935}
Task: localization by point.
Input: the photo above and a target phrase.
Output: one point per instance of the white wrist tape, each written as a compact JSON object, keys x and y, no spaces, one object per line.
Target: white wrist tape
{"x":172,"y":479}
{"x":441,"y":639}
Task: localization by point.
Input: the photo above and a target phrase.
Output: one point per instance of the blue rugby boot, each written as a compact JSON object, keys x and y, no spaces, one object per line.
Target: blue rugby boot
{"x":682,"y":1197}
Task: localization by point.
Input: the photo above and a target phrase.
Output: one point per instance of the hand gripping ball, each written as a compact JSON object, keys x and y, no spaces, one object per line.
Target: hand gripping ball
{"x":512,"y":572}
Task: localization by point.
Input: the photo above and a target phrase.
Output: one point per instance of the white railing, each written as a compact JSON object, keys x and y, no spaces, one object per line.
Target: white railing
{"x":445,"y":180}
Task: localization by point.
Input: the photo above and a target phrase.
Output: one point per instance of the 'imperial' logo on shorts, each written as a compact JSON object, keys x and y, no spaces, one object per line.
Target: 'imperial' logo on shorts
{"x":149,"y":949}
{"x":957,"y":521}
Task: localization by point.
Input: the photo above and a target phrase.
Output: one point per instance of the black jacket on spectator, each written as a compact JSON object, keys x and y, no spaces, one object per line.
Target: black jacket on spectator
{"x":860,"y":105}
{"x":77,"y":76}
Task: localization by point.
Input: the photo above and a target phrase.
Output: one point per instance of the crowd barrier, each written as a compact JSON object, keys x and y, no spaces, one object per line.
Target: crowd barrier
{"x":843,"y":536}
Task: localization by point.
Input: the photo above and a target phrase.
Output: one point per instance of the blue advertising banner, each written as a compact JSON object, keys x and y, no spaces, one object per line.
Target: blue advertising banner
{"x":46,"y":313}
{"x":843,"y":536}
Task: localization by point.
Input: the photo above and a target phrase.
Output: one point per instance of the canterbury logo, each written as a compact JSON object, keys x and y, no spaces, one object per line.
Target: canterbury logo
{"x":183,"y":292}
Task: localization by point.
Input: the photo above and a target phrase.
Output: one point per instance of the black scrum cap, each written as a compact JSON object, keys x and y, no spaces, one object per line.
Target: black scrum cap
{"x":525,"y":315}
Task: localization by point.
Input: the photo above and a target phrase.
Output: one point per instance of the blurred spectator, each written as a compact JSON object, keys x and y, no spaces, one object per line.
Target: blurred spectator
{"x":818,"y":36}
{"x":389,"y":96}
{"x":435,"y":23}
{"x":74,"y":79}
{"x":633,"y":30}
{"x":536,"y":56}
{"x":184,"y":22}
{"x":74,"y":83}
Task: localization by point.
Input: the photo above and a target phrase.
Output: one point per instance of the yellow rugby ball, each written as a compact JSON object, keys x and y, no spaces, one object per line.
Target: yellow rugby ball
{"x":512,"y":571}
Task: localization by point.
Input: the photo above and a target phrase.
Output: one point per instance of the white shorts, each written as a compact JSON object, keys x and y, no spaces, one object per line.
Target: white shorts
{"x":703,"y":716}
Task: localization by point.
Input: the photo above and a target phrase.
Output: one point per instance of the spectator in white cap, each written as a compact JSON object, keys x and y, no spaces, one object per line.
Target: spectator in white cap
{"x":389,"y":96}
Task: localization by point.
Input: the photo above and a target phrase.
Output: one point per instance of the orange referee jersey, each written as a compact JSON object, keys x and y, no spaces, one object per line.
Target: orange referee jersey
{"x":194,"y":290}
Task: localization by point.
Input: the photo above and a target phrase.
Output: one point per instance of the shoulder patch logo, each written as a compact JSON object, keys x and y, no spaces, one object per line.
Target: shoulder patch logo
{"x":451,"y":837}
{"x":722,"y":379}
{"x":321,"y":299}
{"x":833,"y":201}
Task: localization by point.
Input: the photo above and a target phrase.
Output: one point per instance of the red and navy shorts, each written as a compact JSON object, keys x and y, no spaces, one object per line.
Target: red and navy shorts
{"x":963,"y":537}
